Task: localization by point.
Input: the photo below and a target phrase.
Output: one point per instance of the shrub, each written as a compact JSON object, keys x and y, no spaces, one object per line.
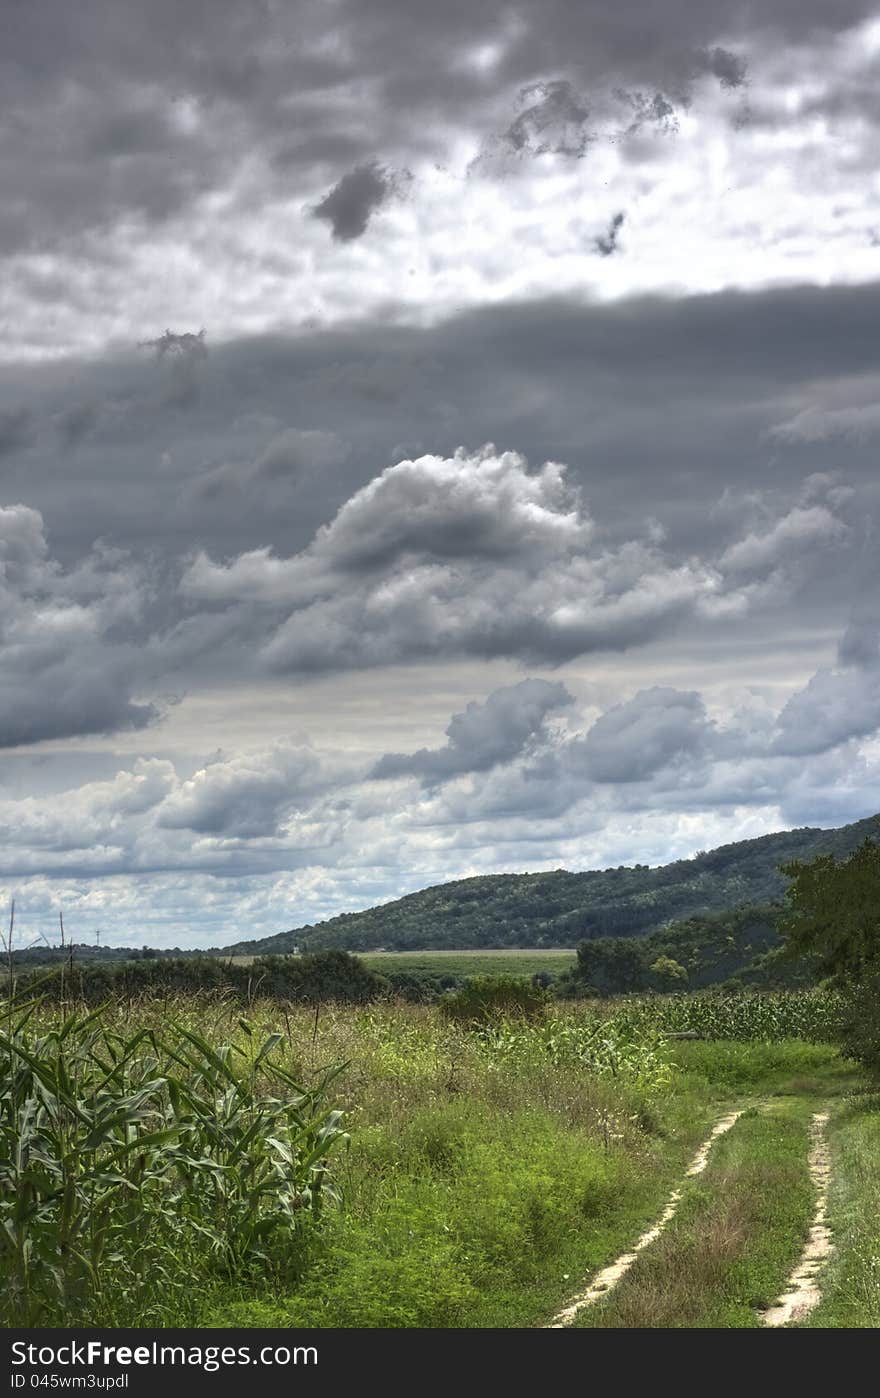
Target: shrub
{"x":484,"y":998}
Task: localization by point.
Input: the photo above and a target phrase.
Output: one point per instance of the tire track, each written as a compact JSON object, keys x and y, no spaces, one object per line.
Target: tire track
{"x":605,"y":1281}
{"x":802,"y":1293}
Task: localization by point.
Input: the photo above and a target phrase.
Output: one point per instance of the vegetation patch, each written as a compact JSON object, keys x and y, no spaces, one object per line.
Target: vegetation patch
{"x":851,"y":1281}
{"x":491,"y":1165}
{"x":483,"y":999}
{"x":737,"y":1233}
{"x":127,"y":1162}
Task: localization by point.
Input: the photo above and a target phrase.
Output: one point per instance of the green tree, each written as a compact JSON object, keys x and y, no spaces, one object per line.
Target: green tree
{"x":669,"y":974}
{"x":833,"y":917}
{"x":833,"y":912}
{"x":611,"y":966}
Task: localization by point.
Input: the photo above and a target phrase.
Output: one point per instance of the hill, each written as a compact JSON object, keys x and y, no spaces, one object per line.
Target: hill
{"x":561,"y":908}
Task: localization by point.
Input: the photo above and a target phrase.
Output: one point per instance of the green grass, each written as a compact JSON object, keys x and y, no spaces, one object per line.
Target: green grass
{"x":489,"y":1211}
{"x":851,"y":1281}
{"x":464,"y":1219}
{"x":729,"y":1069}
{"x":490,"y":1171}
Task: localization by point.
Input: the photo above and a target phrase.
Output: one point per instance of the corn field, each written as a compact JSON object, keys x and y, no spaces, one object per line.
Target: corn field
{"x":604,"y":1048}
{"x":815,"y":1016}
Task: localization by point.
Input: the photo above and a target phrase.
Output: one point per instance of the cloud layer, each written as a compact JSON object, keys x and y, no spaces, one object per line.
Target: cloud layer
{"x":477,"y":554}
{"x":278,"y":635}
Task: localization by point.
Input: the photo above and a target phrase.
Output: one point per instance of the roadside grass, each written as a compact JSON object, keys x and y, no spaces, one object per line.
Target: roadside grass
{"x":851,"y":1281}
{"x":737,"y":1234}
{"x":730,"y":1069}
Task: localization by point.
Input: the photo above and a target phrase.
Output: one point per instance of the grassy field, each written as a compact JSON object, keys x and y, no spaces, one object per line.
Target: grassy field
{"x":524,"y":962}
{"x":487,"y":1171}
{"x":520,"y":962}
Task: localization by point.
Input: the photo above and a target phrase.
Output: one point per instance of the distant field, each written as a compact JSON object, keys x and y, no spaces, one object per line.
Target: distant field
{"x":526,"y":961}
{"x":515,"y":962}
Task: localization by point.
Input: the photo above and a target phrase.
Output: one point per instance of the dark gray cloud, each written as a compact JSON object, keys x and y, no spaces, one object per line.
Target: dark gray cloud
{"x":484,"y":735}
{"x":656,"y":111}
{"x":351,"y":203}
{"x":63,"y":671}
{"x":553,"y":121}
{"x":837,"y":704}
{"x":481,"y":555}
{"x":186,"y":344}
{"x":135,"y":113}
{"x":857,"y":422}
{"x":633,"y":741}
{"x":729,"y":68}
{"x":607,"y":243}
{"x":661,"y":401}
{"x":680,"y":508}
{"x":16,"y":429}
{"x":76,"y":423}
{"x":276,"y":468}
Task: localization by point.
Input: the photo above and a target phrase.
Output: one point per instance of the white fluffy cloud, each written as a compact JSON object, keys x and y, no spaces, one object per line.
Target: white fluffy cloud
{"x":246,"y":797}
{"x":477,"y":554}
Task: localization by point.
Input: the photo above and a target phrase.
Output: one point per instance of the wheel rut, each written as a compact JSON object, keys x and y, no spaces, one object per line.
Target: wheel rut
{"x":605,"y":1281}
{"x":802,"y":1293}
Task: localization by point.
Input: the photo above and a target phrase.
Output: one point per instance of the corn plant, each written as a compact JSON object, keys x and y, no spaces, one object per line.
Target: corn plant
{"x":603,"y":1047}
{"x":255,"y":1162}
{"x":122,"y":1158}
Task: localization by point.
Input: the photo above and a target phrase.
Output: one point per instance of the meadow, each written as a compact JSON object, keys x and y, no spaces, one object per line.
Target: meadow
{"x":515,"y":962}
{"x":184,"y":1161}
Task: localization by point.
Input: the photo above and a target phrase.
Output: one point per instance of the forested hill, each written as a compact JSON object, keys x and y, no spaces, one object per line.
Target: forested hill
{"x":562,"y":909}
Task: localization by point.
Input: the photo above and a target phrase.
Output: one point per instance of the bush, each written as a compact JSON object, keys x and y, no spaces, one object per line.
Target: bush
{"x":484,"y":998}
{"x":421,"y":987}
{"x":861,"y":1020}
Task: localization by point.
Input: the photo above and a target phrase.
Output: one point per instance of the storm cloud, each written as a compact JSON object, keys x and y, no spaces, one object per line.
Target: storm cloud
{"x":62,"y":672}
{"x":477,"y":554}
{"x":483,"y":735}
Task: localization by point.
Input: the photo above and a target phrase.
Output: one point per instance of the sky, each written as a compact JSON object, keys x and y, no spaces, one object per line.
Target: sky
{"x":434,"y":441}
